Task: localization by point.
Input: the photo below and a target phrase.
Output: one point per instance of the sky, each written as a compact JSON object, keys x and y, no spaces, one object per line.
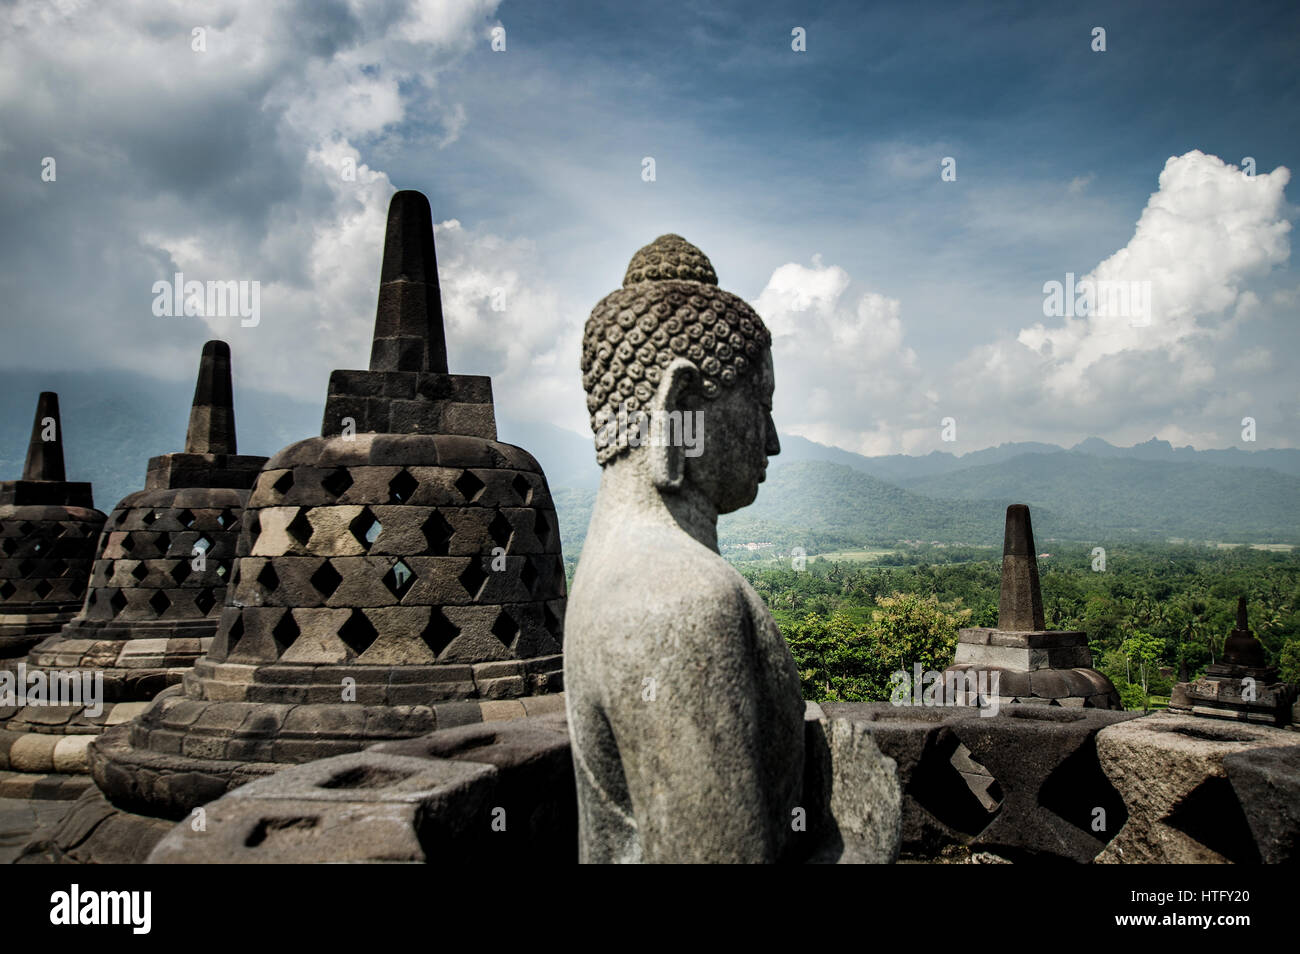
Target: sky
{"x":907,"y":306}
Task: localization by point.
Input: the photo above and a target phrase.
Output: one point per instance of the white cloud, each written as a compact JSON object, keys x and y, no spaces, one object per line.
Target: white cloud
{"x":845,"y":375}
{"x":841,"y":365}
{"x":226,"y":164}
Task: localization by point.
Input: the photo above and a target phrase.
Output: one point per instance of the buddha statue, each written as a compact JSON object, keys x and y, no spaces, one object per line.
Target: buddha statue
{"x":683,"y":700}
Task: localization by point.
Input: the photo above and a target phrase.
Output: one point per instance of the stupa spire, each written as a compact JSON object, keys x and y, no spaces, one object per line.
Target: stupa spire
{"x":212,"y":414}
{"x":45,"y":457}
{"x":409,"y":333}
{"x":1020,"y":602}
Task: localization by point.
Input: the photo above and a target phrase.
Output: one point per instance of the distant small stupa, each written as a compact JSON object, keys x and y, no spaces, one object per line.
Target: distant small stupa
{"x":1033,"y":664}
{"x":1240,"y":686}
{"x":157,"y":586}
{"x":48,"y":532}
{"x":160,"y":576}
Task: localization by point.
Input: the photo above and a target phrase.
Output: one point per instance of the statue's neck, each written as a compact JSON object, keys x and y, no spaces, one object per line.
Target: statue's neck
{"x":629,"y":498}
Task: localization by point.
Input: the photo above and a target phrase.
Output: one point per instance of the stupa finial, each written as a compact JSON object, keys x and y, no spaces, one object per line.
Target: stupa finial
{"x":45,"y":457}
{"x":1020,"y":602}
{"x":212,"y":414}
{"x":409,"y":333}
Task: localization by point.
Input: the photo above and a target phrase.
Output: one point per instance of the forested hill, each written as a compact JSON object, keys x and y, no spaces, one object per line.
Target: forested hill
{"x":823,"y":506}
{"x":1092,"y":496}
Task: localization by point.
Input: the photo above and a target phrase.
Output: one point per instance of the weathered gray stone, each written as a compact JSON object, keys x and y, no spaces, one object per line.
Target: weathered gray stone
{"x":1267,"y":784}
{"x":668,"y":649}
{"x":1170,"y":770}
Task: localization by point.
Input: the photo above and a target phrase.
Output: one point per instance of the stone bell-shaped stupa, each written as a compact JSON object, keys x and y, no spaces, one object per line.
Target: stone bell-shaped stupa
{"x":1033,"y":664}
{"x":400,"y":573}
{"x":1240,"y":686}
{"x":48,"y":533}
{"x":165,"y":558}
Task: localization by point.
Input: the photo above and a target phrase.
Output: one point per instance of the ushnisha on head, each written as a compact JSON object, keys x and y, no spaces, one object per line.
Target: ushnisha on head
{"x":671,"y":357}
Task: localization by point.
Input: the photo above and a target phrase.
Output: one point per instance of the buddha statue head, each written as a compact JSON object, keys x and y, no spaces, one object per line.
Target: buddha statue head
{"x":678,"y":375}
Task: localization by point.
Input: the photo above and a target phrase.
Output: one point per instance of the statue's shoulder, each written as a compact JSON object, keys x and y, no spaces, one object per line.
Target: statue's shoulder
{"x":668,"y":578}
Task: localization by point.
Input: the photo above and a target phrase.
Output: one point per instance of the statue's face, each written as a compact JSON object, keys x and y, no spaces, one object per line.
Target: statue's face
{"x":739,"y":436}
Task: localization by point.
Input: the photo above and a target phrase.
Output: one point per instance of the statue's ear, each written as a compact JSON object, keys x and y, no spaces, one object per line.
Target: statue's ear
{"x":668,"y":462}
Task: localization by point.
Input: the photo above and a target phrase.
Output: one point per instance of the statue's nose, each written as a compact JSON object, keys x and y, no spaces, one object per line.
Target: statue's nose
{"x":773,"y":442}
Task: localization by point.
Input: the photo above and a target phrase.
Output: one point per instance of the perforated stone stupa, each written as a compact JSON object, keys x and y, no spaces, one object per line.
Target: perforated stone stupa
{"x":1241,"y":686}
{"x":1033,"y":664}
{"x":160,"y":576}
{"x":48,"y":532}
{"x":398,"y":574}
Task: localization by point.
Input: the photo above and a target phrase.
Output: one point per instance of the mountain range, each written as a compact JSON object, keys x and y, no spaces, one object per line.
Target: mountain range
{"x":816,"y":496}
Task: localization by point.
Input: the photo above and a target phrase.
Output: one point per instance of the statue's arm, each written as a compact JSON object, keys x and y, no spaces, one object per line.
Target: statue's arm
{"x":695,"y":721}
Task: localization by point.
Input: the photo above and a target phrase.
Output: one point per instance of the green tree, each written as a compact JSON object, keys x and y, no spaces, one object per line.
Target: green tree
{"x":1144,"y":650}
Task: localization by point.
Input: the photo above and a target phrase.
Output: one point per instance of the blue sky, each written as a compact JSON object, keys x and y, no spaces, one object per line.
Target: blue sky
{"x":811,"y":179}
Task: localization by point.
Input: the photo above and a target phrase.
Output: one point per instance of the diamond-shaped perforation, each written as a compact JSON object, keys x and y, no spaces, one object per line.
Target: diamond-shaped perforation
{"x":438,"y":532}
{"x":326,"y":580}
{"x":254,"y":528}
{"x":128,"y":543}
{"x":472,"y":577}
{"x":542,"y":528}
{"x":205,"y":601}
{"x":25,"y":568}
{"x":25,"y":529}
{"x":358,"y":632}
{"x":553,"y":624}
{"x":439,"y":633}
{"x":528,"y":575}
{"x":164,"y":543}
{"x":227,"y":519}
{"x":501,"y":530}
{"x":221,"y":570}
{"x":285,"y":632}
{"x":139,"y":571}
{"x":469,"y":485}
{"x":337,"y":481}
{"x":117,"y":602}
{"x":284,"y":483}
{"x":160,"y":602}
{"x":149,"y":518}
{"x":235,"y":634}
{"x":180,"y":572}
{"x":201,"y":545}
{"x":522,"y":488}
{"x":7,"y":590}
{"x":187,"y":519}
{"x":402,"y":487}
{"x":43,"y":588}
{"x":505,"y":628}
{"x":366,"y":528}
{"x":268,"y":579}
{"x":300,"y":527}
{"x":398,"y":579}
{"x":8,"y":545}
